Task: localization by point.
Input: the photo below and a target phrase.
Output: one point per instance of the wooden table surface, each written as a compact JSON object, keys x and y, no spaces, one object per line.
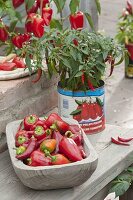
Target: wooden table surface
{"x":113,"y":159}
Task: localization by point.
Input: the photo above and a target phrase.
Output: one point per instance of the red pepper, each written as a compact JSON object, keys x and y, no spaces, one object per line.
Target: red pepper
{"x":40,"y":133}
{"x":29,"y":22}
{"x":118,"y":142}
{"x":30,"y":148}
{"x":40,"y":141}
{"x":112,"y":67}
{"x":75,"y":41}
{"x":60,"y":159}
{"x":124,"y":139}
{"x":19,"y":62}
{"x":38,"y":26}
{"x":38,"y":159}
{"x":17,"y":3}
{"x":33,"y":9}
{"x":30,"y":121}
{"x":58,"y":137}
{"x":49,"y":145}
{"x":21,"y":137}
{"x":77,"y":20}
{"x":47,"y":15}
{"x":3,"y":33}
{"x":83,"y":78}
{"x":39,"y":74}
{"x":77,"y":137}
{"x":39,"y":123}
{"x":7,"y":66}
{"x":129,"y":7}
{"x":53,"y":117}
{"x":43,"y":3}
{"x":20,"y":150}
{"x":70,"y":149}
{"x":20,"y":39}
{"x":90,"y":85}
{"x":74,"y":128}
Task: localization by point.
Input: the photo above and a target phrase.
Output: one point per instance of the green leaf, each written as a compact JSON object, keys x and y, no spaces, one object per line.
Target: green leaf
{"x":60,"y":5}
{"x":120,"y":188}
{"x":13,"y":25}
{"x":78,"y":102}
{"x":125,"y":177}
{"x":89,"y":19}
{"x":120,"y":61}
{"x":74,"y":4}
{"x":29,"y":3}
{"x":55,"y":24}
{"x":98,"y":6}
{"x":76,"y":112}
{"x":78,"y":74}
{"x":130,"y":169}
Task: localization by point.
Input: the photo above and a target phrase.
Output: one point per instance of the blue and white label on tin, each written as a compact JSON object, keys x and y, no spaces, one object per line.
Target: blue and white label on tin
{"x":87,"y":108}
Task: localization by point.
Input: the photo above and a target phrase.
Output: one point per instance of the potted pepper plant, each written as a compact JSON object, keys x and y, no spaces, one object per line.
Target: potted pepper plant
{"x":79,"y":58}
{"x":125,"y":36}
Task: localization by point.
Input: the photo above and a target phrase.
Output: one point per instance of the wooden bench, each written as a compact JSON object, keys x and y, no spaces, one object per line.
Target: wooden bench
{"x":113,"y":159}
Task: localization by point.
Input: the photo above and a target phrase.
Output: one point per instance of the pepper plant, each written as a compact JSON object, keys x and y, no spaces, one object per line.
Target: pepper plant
{"x":125,"y":25}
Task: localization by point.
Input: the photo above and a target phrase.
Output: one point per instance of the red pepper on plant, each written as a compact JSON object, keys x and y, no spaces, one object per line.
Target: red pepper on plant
{"x":39,"y":74}
{"x":30,"y":148}
{"x":60,"y":159}
{"x":17,"y":3}
{"x":38,"y":26}
{"x":47,"y":15}
{"x":30,"y":121}
{"x":20,"y":39}
{"x":90,"y":85}
{"x":3,"y":33}
{"x":29,"y":22}
{"x":77,"y":20}
{"x":70,"y":149}
{"x":33,"y":9}
{"x":44,"y":3}
{"x":38,"y":158}
{"x":129,"y":7}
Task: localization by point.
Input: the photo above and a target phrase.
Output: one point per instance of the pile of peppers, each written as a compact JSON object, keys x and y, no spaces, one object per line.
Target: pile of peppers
{"x":49,"y":141}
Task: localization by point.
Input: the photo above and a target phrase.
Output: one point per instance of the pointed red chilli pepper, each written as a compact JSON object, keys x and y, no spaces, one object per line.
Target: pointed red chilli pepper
{"x":90,"y":85}
{"x":38,"y":26}
{"x":38,"y":158}
{"x":17,"y":3}
{"x":125,"y":139}
{"x":39,"y":74}
{"x":118,"y":142}
{"x":77,"y":20}
{"x":30,"y":148}
{"x":47,"y":15}
{"x":70,"y":149}
{"x":30,"y":121}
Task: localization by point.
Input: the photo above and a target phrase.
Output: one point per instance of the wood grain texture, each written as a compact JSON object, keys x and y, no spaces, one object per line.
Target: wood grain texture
{"x":52,"y":177}
{"x":112,"y":161}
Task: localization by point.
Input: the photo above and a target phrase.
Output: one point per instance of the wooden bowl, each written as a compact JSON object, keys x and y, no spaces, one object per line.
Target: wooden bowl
{"x":52,"y":177}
